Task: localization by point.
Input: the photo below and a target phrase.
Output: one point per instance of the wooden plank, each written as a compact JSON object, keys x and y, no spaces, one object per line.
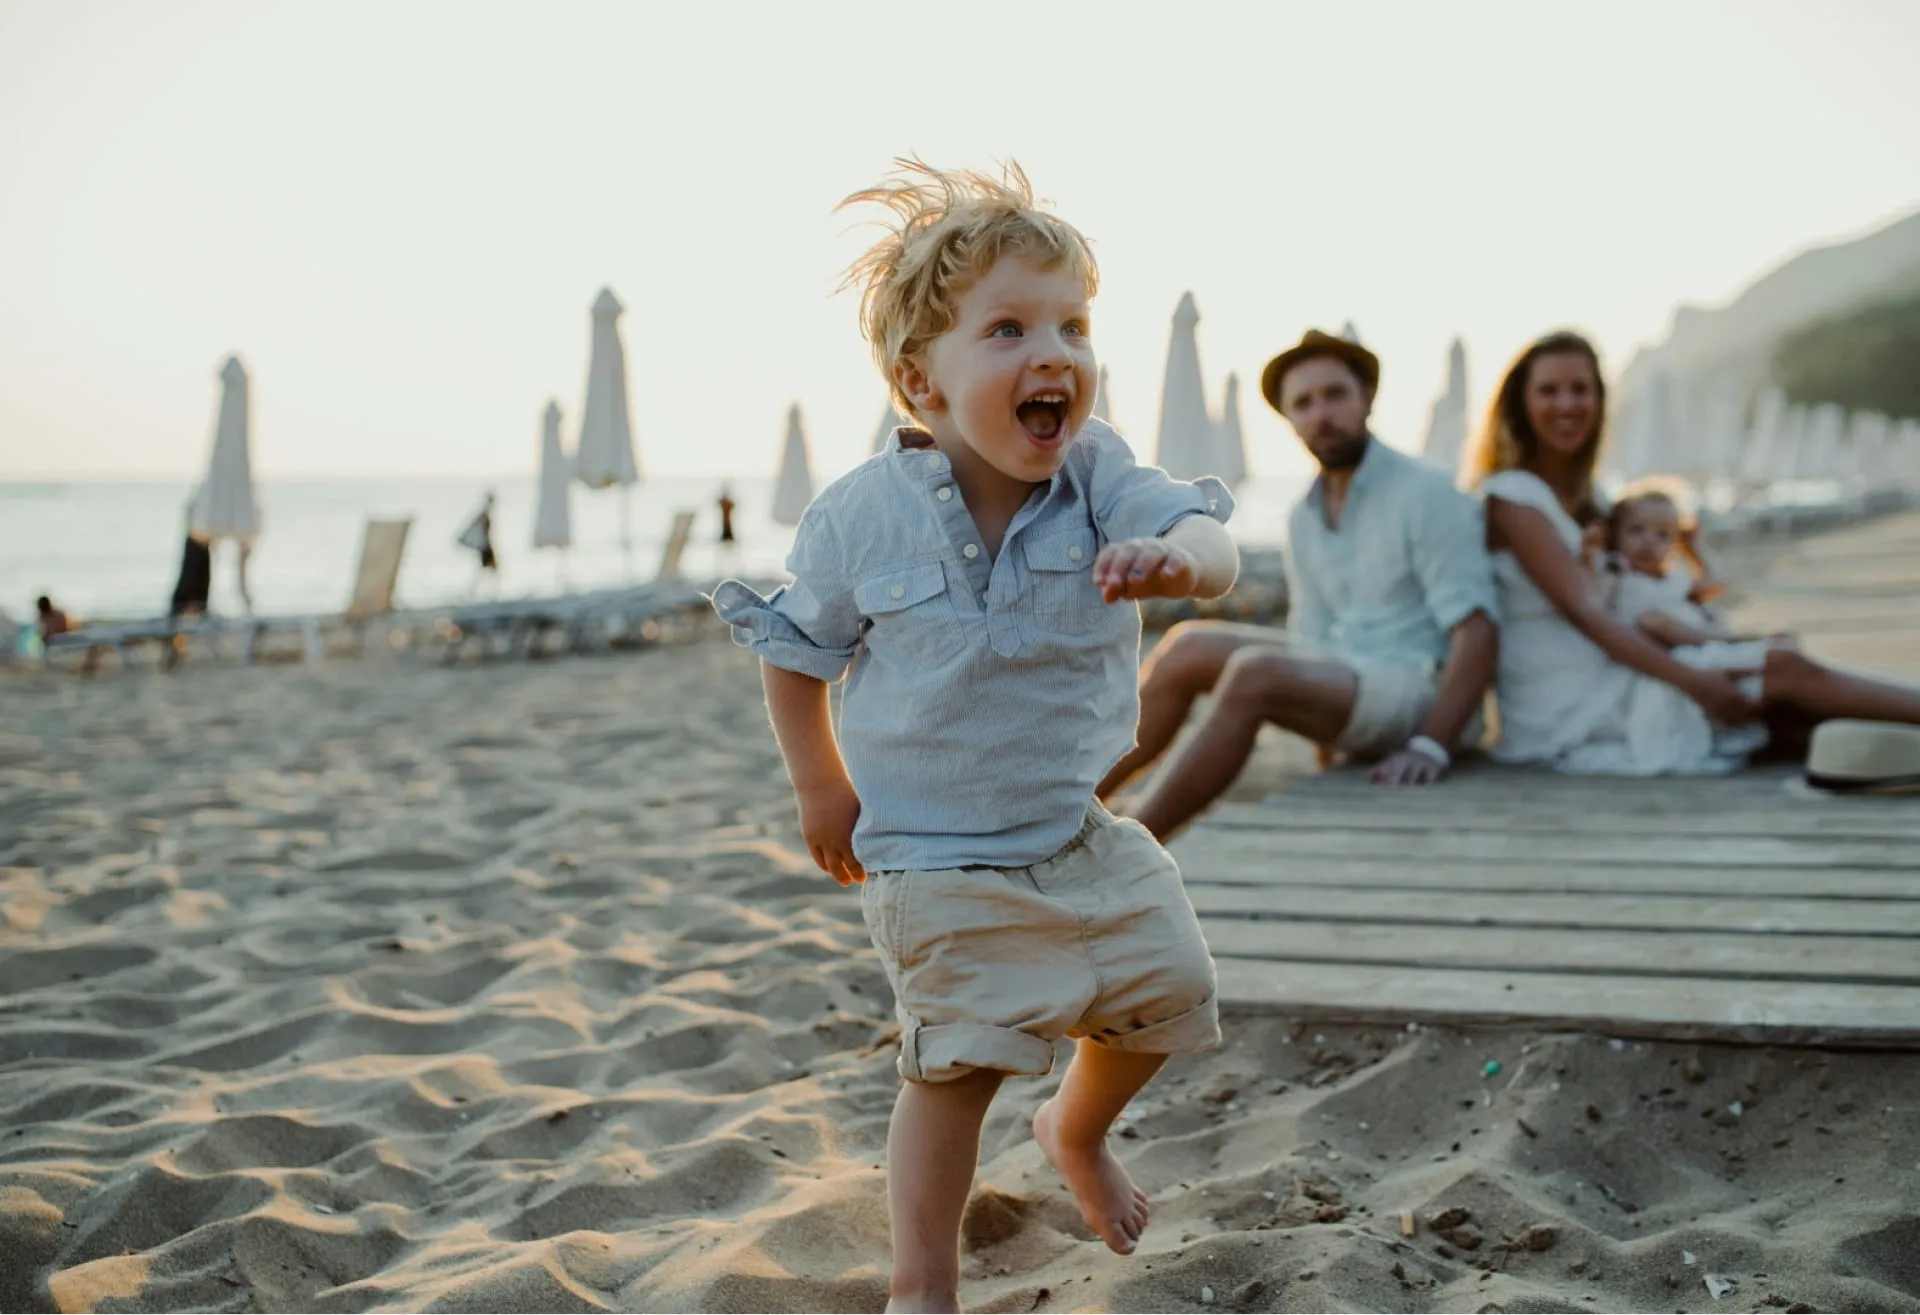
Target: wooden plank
{"x":1562,"y":910}
{"x":1203,"y":864}
{"x":1334,"y":843}
{"x":1669,"y":954}
{"x":1773,"y":1013}
{"x":1312,"y":809}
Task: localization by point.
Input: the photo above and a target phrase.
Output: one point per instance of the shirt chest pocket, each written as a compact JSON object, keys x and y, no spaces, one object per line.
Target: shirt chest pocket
{"x":1060,"y":573}
{"x":910,"y":614}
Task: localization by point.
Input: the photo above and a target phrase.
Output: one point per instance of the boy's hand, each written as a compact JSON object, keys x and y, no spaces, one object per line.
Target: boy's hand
{"x":1145,"y":568}
{"x":827,"y":815}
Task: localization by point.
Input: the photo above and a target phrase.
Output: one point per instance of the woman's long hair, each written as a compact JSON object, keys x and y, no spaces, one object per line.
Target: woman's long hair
{"x":1507,"y":440}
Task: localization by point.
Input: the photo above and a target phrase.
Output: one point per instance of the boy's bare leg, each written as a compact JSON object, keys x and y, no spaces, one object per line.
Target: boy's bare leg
{"x":933,"y":1148}
{"x":1072,"y":1130}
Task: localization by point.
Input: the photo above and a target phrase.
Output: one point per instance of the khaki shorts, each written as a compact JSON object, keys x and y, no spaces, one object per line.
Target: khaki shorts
{"x":1392,"y":701}
{"x":991,"y":966}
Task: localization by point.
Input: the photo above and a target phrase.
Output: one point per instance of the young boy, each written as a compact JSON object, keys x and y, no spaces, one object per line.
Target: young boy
{"x":977,"y":580}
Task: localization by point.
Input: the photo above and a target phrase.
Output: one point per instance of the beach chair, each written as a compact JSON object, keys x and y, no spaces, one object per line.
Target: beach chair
{"x":676,"y":546}
{"x":608,"y":621}
{"x":382,"y":548}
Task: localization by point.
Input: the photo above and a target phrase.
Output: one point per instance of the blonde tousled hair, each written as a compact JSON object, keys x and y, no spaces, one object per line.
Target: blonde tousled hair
{"x":945,"y":231}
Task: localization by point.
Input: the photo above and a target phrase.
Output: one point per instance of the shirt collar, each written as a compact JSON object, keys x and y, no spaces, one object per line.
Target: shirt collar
{"x":915,"y":447}
{"x":1369,"y":469}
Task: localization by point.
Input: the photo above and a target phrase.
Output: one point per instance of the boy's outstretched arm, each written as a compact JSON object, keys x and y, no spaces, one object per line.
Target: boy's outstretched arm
{"x":1197,"y":558}
{"x":803,"y":725}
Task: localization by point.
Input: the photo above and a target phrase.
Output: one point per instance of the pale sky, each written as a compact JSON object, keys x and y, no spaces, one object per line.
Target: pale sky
{"x":398,"y":214}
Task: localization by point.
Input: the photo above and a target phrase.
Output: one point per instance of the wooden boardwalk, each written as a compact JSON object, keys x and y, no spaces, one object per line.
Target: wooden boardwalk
{"x":1747,"y":908}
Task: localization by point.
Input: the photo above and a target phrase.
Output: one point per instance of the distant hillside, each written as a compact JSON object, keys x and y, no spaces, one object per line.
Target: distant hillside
{"x":1867,"y":359}
{"x":1738,"y":343}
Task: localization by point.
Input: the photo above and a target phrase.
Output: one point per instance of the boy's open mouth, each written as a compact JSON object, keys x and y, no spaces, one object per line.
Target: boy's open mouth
{"x":1044,"y":417}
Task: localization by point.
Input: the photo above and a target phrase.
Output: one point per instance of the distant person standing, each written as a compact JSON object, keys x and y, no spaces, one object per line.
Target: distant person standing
{"x":729,"y":541}
{"x":194,"y":588}
{"x":479,"y":536}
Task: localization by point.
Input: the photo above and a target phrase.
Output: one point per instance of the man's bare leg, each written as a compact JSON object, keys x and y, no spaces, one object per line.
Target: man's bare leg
{"x":933,"y":1149}
{"x":1072,"y":1131}
{"x":1183,"y":666}
{"x":1306,"y":696}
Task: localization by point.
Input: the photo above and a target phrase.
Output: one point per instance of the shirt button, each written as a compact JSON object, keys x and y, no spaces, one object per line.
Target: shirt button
{"x":971,"y":551}
{"x":1075,"y":554}
{"x":945,"y":494}
{"x":983,"y":597}
{"x":933,"y":463}
{"x":898,"y":591}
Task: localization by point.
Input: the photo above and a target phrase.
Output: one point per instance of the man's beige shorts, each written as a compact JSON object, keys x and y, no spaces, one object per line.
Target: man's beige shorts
{"x":990,"y":966}
{"x":1391,"y":701}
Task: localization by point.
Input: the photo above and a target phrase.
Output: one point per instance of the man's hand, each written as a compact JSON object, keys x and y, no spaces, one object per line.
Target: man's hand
{"x":1408,"y":767}
{"x":827,"y":815}
{"x":1145,"y":568}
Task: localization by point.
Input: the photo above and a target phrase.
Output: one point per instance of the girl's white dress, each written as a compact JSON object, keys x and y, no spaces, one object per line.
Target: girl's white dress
{"x":1565,"y":704}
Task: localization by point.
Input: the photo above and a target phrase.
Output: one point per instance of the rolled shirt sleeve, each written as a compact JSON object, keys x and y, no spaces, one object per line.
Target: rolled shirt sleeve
{"x":809,"y":626}
{"x":1132,"y":501}
{"x":1450,"y":556}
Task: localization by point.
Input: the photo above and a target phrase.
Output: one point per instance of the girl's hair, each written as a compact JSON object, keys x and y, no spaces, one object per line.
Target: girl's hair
{"x":1507,"y":440}
{"x":945,"y":231}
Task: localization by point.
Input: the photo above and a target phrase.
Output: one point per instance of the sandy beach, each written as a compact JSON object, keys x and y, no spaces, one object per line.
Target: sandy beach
{"x":375,"y":987}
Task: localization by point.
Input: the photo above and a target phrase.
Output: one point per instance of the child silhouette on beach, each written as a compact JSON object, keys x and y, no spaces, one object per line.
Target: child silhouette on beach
{"x":975,"y":584}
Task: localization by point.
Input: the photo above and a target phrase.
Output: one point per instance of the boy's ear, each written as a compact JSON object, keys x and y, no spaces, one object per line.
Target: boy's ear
{"x":910,"y":373}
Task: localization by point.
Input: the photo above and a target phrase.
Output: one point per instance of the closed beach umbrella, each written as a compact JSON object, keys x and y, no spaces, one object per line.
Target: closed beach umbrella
{"x":1760,"y":457}
{"x":603,"y":455}
{"x":1231,"y":440}
{"x":1646,"y":429}
{"x":794,"y":488}
{"x":1447,"y":422}
{"x":1186,"y":446}
{"x":225,"y":507}
{"x":1102,"y":407}
{"x":889,"y":421}
{"x":552,"y":515}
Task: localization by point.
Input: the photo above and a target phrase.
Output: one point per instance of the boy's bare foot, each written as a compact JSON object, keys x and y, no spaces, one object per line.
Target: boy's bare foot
{"x":1112,"y":1206}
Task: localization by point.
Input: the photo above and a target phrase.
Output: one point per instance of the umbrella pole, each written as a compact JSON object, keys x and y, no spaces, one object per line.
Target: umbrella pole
{"x":626,"y":528}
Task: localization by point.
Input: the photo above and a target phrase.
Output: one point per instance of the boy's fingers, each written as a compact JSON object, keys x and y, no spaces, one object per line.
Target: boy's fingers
{"x":1149,"y":556}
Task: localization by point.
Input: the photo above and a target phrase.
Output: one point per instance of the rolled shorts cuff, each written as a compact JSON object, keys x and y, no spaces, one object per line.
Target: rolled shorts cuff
{"x":947,"y":1051}
{"x":1197,"y":1029}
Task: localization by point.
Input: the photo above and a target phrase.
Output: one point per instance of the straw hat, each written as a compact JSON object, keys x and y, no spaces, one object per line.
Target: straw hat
{"x":1865,"y":757}
{"x":1315,"y":343}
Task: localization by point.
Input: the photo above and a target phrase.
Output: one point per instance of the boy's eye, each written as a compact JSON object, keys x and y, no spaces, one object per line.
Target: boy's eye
{"x":1077,"y":328}
{"x":1006,"y":329}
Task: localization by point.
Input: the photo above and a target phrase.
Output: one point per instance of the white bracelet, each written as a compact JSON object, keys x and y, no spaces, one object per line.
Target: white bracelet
{"x":1428,"y":747}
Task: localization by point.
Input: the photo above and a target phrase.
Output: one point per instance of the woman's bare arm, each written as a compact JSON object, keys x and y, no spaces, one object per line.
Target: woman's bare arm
{"x":1536,"y":545}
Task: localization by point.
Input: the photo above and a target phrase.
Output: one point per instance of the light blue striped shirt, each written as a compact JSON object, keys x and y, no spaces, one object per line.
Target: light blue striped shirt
{"x":1408,"y":563}
{"x":986,"y":698}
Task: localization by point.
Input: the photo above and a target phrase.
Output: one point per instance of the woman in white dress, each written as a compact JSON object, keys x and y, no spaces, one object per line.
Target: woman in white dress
{"x":1579,"y":689}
